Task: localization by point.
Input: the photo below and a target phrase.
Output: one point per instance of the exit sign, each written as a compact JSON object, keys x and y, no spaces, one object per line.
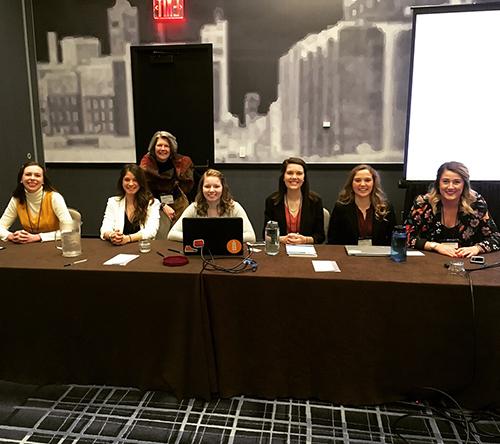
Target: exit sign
{"x":168,"y":9}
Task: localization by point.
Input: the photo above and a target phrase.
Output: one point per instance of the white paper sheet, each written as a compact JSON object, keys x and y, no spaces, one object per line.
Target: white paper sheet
{"x":303,"y":250}
{"x":414,"y":253}
{"x":121,"y":259}
{"x":320,"y":266}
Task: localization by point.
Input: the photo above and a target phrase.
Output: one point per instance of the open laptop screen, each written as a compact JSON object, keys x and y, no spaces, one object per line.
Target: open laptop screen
{"x":219,"y":236}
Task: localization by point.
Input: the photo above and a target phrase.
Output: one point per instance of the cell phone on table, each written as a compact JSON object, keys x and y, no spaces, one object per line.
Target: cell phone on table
{"x":477,"y":260}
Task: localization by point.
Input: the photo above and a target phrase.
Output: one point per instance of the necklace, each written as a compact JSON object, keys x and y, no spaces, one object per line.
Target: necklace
{"x":293,"y":210}
{"x":33,"y":231}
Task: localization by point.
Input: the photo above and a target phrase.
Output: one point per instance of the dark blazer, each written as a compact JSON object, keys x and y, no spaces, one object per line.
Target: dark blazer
{"x":343,"y":227}
{"x":311,"y":219}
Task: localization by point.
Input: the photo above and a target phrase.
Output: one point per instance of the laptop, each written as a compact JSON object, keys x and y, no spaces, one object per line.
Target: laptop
{"x":219,"y":236}
{"x":368,"y":250}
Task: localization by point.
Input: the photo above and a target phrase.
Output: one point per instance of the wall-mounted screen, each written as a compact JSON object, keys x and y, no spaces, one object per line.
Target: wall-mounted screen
{"x":454,"y":96}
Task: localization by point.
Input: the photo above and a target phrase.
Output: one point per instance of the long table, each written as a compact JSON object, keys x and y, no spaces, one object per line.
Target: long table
{"x":376,"y":332}
{"x":137,"y":325}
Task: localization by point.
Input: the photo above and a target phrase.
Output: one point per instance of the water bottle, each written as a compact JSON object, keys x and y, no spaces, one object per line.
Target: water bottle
{"x":272,"y":238}
{"x":398,"y":244}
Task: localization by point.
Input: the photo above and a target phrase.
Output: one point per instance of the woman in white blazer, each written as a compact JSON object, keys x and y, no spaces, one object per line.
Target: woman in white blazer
{"x":134,"y":214}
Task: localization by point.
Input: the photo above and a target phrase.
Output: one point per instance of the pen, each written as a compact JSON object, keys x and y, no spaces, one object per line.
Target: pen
{"x":162,"y":255}
{"x":175,"y":251}
{"x":81,"y":261}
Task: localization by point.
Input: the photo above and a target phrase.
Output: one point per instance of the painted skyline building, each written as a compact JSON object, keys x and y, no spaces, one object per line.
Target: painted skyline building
{"x":86,"y":98}
{"x":123,"y":27}
{"x":217,"y":34}
{"x":341,"y":92}
{"x":344,"y":89}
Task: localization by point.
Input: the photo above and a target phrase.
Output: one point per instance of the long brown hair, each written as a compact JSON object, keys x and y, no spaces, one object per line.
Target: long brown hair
{"x":378,"y":198}
{"x":468,"y":194}
{"x":19,"y":193}
{"x":226,"y":202}
{"x":143,"y":197}
{"x":279,"y":195}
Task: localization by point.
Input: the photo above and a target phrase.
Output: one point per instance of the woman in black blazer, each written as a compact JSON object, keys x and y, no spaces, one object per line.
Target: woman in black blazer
{"x":298,"y":211}
{"x":362,"y":212}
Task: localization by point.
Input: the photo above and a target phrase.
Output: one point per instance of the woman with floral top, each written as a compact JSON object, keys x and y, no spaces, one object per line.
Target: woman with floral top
{"x":452,"y":219}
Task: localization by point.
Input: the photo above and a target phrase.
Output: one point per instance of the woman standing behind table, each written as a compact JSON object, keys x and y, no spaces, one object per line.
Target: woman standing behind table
{"x":39,"y":207}
{"x":133,"y":214}
{"x":298,"y":211}
{"x":362,"y":213}
{"x":452,"y":219}
{"x":169,"y":176}
{"x":213,"y":200}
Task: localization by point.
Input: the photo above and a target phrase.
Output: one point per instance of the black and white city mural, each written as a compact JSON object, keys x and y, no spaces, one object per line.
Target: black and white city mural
{"x":325,"y":80}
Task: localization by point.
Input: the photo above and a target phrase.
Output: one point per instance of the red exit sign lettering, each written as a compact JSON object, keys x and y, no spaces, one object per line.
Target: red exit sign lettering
{"x":168,"y":9}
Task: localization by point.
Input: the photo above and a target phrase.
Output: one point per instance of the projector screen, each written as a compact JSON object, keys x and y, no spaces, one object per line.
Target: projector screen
{"x":454,"y":95}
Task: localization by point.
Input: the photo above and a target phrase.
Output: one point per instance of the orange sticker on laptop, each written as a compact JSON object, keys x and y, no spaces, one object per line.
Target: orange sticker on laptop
{"x":234,"y":246}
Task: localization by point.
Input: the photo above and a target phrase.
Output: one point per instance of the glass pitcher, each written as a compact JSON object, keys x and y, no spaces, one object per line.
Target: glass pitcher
{"x":71,"y":238}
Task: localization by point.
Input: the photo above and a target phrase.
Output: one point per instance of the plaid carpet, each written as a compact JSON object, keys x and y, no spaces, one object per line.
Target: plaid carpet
{"x":99,"y":414}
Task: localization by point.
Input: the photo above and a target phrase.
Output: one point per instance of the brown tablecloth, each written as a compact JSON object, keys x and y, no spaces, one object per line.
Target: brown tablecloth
{"x":140,"y":325}
{"x":376,"y":332}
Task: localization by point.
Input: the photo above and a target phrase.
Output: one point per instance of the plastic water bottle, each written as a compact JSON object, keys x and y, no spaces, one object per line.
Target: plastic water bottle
{"x":272,"y":237}
{"x":398,"y":244}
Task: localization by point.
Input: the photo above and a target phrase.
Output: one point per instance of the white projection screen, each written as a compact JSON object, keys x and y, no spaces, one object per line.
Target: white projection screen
{"x":454,"y":94}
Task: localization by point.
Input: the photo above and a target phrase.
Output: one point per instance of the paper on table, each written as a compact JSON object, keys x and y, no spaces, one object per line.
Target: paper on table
{"x":325,"y":266}
{"x":414,"y":253}
{"x":303,"y":250}
{"x":254,"y":249}
{"x":121,"y":259}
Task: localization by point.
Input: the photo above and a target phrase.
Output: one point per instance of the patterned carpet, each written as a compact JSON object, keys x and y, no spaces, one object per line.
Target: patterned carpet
{"x":100,"y":414}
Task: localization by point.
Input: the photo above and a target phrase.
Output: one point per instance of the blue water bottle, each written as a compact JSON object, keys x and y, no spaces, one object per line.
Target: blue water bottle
{"x":398,"y":244}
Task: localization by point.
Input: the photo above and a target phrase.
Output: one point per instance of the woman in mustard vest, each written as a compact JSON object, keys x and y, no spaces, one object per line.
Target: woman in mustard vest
{"x":39,"y":207}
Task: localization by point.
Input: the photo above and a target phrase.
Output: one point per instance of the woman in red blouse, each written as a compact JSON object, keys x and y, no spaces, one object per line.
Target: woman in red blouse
{"x":298,"y":211}
{"x":362,"y":214}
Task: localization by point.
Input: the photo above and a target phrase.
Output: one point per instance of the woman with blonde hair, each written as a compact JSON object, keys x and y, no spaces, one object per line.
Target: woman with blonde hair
{"x":452,"y":219}
{"x":213,"y":200}
{"x":362,"y":213}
